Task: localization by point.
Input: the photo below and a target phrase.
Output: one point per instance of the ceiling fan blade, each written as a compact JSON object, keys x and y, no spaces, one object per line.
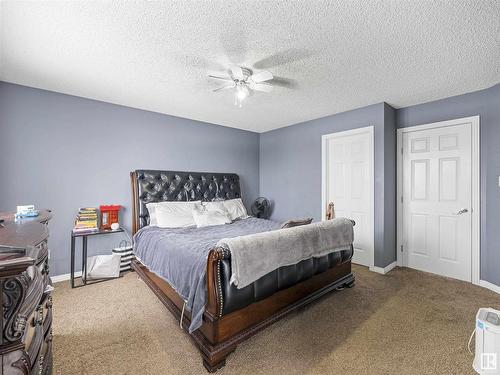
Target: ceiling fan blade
{"x":237,"y":73}
{"x":222,"y":78}
{"x":264,"y":87}
{"x":261,"y":76}
{"x":224,"y":88}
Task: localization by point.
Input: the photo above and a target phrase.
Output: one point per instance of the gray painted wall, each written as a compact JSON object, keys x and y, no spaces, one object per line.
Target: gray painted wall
{"x":290,"y":170}
{"x":486,"y":104}
{"x":64,"y":152}
{"x":53,"y":128}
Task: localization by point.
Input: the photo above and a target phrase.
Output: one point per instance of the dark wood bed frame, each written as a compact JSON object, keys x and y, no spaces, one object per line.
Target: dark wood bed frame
{"x":220,"y":334}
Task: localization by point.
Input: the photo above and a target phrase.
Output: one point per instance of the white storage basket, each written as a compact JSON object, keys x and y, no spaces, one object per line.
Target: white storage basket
{"x":103,"y":267}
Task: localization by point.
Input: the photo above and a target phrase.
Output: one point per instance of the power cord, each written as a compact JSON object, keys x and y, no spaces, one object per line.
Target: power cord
{"x":470,"y":340}
{"x":182,"y":315}
{"x":128,"y":235}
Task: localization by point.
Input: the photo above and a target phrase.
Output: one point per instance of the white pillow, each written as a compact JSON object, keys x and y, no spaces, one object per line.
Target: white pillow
{"x":152,"y":214}
{"x":171,"y":214}
{"x":236,"y":209}
{"x":210,"y":213}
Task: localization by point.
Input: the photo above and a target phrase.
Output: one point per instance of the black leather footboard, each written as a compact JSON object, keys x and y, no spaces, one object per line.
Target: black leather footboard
{"x":282,"y":278}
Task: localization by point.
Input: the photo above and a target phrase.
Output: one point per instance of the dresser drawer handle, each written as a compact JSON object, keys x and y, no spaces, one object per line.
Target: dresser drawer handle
{"x":39,"y":319}
{"x":21,"y":323}
{"x":40,"y":365}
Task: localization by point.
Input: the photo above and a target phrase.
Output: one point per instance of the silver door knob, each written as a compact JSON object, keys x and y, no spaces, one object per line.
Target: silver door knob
{"x":462,"y":211}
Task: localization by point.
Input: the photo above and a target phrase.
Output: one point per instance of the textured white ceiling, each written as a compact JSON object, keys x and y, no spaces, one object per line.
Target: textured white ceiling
{"x":341,"y":55}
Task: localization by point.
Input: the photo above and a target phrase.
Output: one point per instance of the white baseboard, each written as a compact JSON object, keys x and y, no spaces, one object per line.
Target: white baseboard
{"x":66,"y":276}
{"x":384,"y":270}
{"x":490,"y":286}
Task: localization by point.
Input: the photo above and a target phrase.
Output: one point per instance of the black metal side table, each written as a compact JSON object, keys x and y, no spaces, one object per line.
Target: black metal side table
{"x":84,"y":252}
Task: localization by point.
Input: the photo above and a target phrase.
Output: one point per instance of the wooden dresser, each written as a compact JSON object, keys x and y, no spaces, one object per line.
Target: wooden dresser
{"x":26,"y":319}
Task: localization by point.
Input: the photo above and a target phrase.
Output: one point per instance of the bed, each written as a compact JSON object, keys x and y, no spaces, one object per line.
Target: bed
{"x":229,"y":315}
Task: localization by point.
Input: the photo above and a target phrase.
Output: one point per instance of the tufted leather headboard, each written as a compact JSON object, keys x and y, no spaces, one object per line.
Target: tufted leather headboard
{"x":160,"y":186}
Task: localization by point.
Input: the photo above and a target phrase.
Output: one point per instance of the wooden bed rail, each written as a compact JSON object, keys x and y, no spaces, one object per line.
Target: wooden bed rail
{"x":214,"y":288}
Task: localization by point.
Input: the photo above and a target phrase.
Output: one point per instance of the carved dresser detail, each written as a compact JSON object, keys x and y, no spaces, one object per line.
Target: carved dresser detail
{"x":26,"y":319}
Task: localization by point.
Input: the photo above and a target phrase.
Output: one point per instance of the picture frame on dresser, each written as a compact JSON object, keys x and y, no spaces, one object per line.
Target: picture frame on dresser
{"x":26,"y":319}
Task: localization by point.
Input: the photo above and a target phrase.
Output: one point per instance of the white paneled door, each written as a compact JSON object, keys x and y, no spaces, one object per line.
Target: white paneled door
{"x":348,"y":183}
{"x":437,"y":199}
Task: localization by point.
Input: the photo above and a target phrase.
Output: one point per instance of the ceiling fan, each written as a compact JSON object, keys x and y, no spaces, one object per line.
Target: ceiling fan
{"x":245,"y":81}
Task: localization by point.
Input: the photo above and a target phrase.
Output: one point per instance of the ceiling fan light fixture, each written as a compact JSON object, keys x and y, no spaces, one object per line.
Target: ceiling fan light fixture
{"x":241,"y":94}
{"x":241,"y":91}
{"x":245,"y":81}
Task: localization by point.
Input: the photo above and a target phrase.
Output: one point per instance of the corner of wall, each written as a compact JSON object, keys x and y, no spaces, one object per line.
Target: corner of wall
{"x":386,"y":254}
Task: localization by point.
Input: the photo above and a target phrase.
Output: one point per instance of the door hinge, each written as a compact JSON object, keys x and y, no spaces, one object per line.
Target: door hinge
{"x":401,"y":199}
{"x":401,"y":150}
{"x":401,"y":248}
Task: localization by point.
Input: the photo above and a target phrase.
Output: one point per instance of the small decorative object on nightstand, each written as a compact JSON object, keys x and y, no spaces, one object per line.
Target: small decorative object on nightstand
{"x":109,"y":215}
{"x":261,"y":208}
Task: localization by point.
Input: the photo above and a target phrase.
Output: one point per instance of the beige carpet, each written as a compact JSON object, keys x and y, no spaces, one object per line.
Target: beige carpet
{"x":406,"y":322}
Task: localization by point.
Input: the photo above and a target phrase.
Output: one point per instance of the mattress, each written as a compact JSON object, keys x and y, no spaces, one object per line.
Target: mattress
{"x":179,"y":256}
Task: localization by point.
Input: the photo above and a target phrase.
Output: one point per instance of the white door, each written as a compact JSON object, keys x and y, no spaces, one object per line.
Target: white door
{"x":348,"y":183}
{"x":437,"y":196}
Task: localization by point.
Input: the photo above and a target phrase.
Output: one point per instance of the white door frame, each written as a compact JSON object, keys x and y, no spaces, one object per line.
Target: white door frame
{"x":476,"y":203}
{"x":324,"y":168}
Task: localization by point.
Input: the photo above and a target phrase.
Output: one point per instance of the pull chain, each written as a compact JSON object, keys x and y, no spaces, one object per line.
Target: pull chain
{"x":182,"y":314}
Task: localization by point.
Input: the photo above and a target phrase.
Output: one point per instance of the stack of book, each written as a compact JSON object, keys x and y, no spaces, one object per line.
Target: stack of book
{"x":86,"y":220}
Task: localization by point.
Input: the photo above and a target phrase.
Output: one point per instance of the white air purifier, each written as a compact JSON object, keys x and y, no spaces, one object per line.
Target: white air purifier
{"x":487,"y":358}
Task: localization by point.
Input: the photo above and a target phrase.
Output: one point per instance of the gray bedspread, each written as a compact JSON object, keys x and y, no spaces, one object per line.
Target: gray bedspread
{"x":179,"y":256}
